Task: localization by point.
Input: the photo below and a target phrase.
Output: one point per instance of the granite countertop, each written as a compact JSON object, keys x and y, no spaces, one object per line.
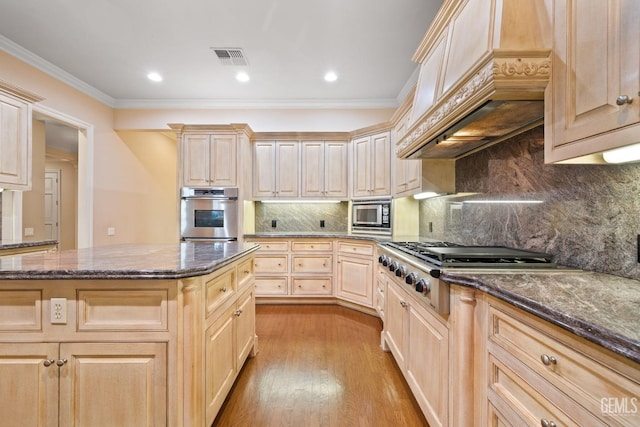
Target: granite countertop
{"x":18,"y":245}
{"x":318,"y":234}
{"x":601,"y":308}
{"x":171,"y":261}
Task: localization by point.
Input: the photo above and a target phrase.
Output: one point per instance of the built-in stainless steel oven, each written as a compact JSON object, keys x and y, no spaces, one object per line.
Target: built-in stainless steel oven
{"x":209,"y":214}
{"x":371,"y":216}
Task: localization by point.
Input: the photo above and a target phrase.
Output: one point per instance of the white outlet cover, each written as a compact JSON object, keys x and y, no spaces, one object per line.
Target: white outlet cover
{"x":28,"y":231}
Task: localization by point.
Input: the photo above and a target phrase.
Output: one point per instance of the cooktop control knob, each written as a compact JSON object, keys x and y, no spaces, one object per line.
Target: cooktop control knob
{"x":423,"y":286}
{"x":380,"y":258}
{"x":393,"y":266}
{"x":411,"y":278}
{"x":401,"y":271}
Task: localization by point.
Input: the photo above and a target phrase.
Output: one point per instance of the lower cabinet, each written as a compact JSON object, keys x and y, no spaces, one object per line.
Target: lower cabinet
{"x":355,"y":281}
{"x":229,"y":340}
{"x":85,"y":384}
{"x":538,"y":374}
{"x":419,"y":342}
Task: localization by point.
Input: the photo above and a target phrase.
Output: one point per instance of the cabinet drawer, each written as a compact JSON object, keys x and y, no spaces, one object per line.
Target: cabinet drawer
{"x":315,"y":246}
{"x":311,"y":286}
{"x":271,"y":286}
{"x":271,"y":264}
{"x":356,"y":248}
{"x":20,"y":310}
{"x":312,"y":264}
{"x":123,"y":309}
{"x":526,"y":403}
{"x":219,"y":289}
{"x":587,"y":380}
{"x":273,"y":246}
{"x":245,"y":273}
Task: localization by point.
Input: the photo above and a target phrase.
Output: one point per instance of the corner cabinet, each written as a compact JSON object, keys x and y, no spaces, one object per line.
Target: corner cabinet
{"x":372,"y":165}
{"x":593,"y":101}
{"x":354,"y":277}
{"x":15,"y":137}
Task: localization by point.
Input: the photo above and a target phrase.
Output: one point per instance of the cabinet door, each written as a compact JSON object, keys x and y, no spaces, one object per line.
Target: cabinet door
{"x":395,"y":323}
{"x":264,"y":174}
{"x":597,"y":43}
{"x":223,"y":160}
{"x":28,"y":388}
{"x":109,"y":384}
{"x":196,"y":160}
{"x":245,"y":327}
{"x":428,"y":346}
{"x":287,"y":167}
{"x":336,"y":165}
{"x":313,"y":169}
{"x":355,"y":279}
{"x":15,"y":143}
{"x":220,"y":366}
{"x":381,"y":160}
{"x":361,"y":167}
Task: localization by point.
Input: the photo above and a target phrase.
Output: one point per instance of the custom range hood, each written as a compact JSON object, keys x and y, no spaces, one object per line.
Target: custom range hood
{"x":485,"y":65}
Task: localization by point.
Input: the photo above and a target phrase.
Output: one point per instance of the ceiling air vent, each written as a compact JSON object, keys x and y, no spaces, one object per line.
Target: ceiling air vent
{"x":230,"y":56}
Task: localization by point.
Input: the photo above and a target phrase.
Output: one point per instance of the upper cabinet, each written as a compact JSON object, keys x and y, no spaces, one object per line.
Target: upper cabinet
{"x":325,"y":169}
{"x":210,"y":154}
{"x":275,"y":169}
{"x":593,"y":103}
{"x":484,"y":66}
{"x":15,"y":137}
{"x":372,"y":165}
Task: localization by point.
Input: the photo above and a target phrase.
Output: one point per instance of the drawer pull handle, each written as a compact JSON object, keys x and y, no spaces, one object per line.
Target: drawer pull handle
{"x":547,"y":423}
{"x":49,"y":362}
{"x":246,"y":272}
{"x":548,"y":360}
{"x":61,"y":362}
{"x":223,"y":289}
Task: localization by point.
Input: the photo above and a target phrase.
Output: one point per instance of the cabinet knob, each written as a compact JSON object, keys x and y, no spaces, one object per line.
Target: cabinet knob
{"x":246,"y":272}
{"x":61,"y":362}
{"x":624,"y":99}
{"x":403,"y":304}
{"x":548,"y":360}
{"x":48,"y":362}
{"x":223,"y":289}
{"x":547,"y":423}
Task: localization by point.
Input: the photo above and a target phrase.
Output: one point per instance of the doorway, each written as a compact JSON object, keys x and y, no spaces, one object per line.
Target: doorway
{"x":51,"y":204}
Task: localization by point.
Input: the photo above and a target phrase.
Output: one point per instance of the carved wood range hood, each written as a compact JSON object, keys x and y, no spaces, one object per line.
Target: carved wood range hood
{"x":484,"y":69}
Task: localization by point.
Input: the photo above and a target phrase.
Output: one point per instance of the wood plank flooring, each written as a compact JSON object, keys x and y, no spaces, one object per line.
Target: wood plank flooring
{"x":319,"y":366}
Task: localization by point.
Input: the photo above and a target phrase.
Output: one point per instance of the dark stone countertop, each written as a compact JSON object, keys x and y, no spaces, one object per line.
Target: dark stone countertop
{"x":318,"y":235}
{"x":19,"y":245}
{"x":151,"y":261}
{"x":601,"y":308}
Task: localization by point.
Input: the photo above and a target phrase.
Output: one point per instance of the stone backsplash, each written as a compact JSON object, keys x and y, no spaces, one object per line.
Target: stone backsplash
{"x":587,"y":216}
{"x":302,"y":217}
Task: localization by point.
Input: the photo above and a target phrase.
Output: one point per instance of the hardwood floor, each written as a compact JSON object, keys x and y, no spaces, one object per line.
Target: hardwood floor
{"x":319,"y":366}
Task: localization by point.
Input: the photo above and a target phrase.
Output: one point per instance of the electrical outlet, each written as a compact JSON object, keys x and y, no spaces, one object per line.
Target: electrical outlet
{"x":638,"y":250}
{"x":58,"y":310}
{"x":111,"y":231}
{"x":322,"y":223}
{"x":274,"y":223}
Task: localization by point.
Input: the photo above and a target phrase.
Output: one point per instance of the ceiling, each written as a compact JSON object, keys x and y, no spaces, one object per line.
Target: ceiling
{"x":106,"y":48}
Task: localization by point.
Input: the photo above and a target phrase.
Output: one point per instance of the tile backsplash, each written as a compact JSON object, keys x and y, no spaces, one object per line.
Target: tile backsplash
{"x":302,"y":217}
{"x":587,"y":216}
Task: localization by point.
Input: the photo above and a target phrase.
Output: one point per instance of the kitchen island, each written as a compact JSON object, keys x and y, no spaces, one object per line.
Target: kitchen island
{"x":145,"y":335}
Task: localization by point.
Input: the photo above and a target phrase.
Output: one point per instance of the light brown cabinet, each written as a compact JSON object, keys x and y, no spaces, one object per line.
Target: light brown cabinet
{"x":324,"y":169}
{"x":15,"y":137}
{"x":593,"y":101}
{"x":210,"y":160}
{"x":354,"y":276}
{"x":372,"y":165}
{"x":540,"y":374}
{"x":276,"y":166}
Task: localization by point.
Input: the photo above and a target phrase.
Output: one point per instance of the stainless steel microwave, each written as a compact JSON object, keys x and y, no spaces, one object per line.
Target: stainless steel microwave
{"x":371,"y":216}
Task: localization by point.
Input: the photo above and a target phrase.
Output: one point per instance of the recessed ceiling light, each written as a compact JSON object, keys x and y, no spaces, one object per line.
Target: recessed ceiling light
{"x":331,"y":76}
{"x":242,"y":77}
{"x":154,"y":77}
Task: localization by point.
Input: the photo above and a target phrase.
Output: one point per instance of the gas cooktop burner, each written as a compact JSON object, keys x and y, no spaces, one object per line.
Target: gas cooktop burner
{"x":445,"y":254}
